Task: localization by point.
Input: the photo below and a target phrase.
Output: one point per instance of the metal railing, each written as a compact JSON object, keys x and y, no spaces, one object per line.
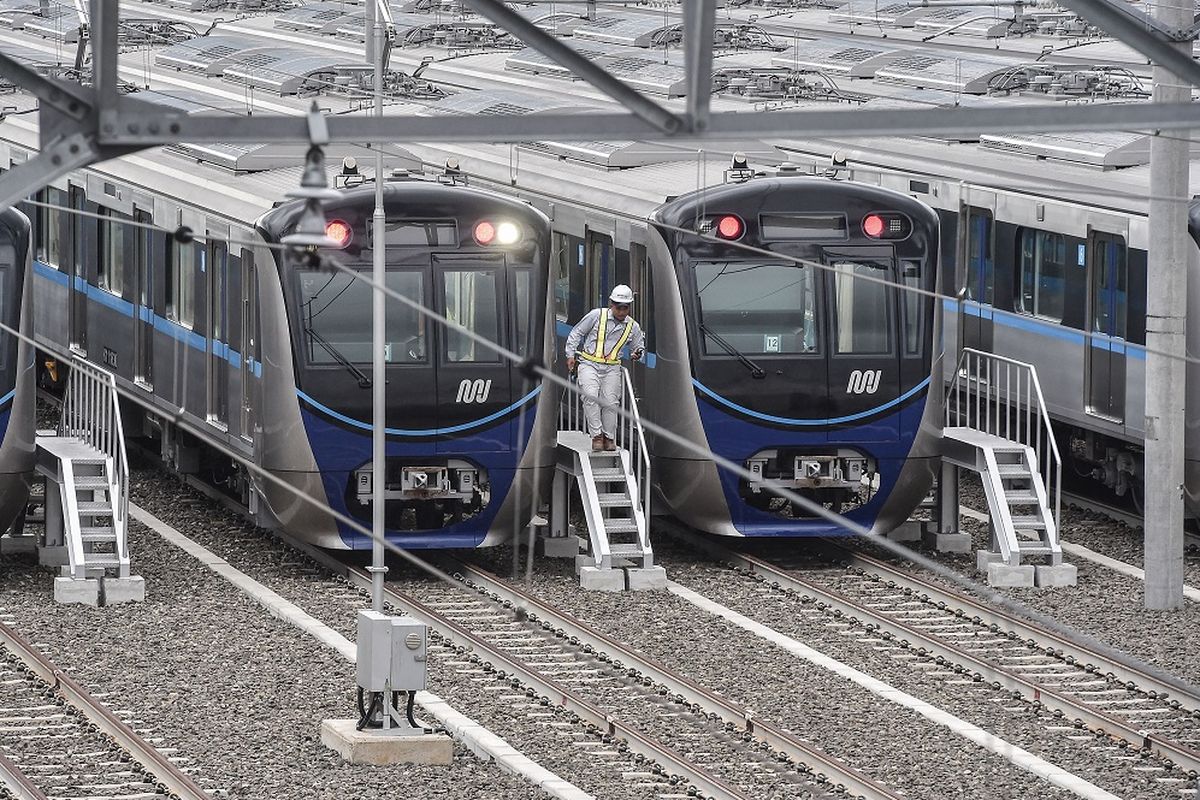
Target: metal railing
{"x":629,"y":434}
{"x":1003,"y":397}
{"x":90,"y":412}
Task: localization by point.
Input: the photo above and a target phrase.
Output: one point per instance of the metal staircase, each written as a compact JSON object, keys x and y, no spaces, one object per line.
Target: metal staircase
{"x":614,"y":486}
{"x":997,"y":425}
{"x":87,"y":477}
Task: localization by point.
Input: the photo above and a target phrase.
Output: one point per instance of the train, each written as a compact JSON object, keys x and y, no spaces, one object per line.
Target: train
{"x":17,"y":371}
{"x":237,"y":345}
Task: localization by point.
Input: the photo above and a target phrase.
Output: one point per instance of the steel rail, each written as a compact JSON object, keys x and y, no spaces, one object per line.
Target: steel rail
{"x":821,"y":764}
{"x":17,"y":783}
{"x":358,"y":577}
{"x":158,"y":765}
{"x":702,"y":779}
{"x":1186,"y":757}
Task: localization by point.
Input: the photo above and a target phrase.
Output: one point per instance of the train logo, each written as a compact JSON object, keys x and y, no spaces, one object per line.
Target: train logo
{"x":864,"y":381}
{"x":474,"y":391}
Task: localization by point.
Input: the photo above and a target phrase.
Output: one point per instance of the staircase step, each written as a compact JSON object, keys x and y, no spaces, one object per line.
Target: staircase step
{"x":626,"y":550}
{"x":91,"y":482}
{"x":620,"y":525}
{"x":1035,"y":549}
{"x":101,"y":560}
{"x":1028,"y":523}
{"x":614,"y":500}
{"x":95,"y":508}
{"x":1020,"y":497}
{"x":97,"y":534}
{"x":1012,"y":471}
{"x":608,"y":474}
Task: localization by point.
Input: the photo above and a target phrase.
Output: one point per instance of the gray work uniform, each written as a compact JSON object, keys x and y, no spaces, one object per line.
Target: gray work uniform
{"x":598,"y":379}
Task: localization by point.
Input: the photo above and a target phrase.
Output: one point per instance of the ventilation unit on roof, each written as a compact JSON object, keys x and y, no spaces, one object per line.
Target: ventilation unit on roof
{"x":1072,"y":82}
{"x":744,"y":36}
{"x":780,"y":83}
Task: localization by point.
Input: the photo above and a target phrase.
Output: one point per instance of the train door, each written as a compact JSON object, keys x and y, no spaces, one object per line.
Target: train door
{"x":473,"y":381}
{"x":978,"y":280}
{"x":601,"y":268}
{"x":249,"y":343}
{"x":1108,"y":285}
{"x":77,"y":312}
{"x":864,"y":363}
{"x":143,"y":324}
{"x":218,"y":332}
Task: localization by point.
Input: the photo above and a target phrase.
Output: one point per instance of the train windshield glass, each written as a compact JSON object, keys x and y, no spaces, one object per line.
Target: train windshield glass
{"x":335,"y":317}
{"x":748,"y":307}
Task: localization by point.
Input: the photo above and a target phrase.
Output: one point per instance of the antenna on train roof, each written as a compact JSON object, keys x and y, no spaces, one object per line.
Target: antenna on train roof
{"x":739,"y":169}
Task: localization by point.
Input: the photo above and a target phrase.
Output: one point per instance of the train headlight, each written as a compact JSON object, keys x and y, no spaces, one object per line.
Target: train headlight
{"x":339,"y":231}
{"x":508,"y":233}
{"x":485,"y":232}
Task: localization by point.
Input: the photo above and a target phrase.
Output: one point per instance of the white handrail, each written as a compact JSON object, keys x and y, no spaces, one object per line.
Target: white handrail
{"x":1006,"y":405}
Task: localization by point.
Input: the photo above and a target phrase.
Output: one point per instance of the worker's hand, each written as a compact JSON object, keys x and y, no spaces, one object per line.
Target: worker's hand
{"x":636,"y":355}
{"x":570,"y":365}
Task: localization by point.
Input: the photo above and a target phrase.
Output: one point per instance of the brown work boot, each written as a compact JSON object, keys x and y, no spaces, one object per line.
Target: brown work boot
{"x":597,"y":442}
{"x":609,"y":444}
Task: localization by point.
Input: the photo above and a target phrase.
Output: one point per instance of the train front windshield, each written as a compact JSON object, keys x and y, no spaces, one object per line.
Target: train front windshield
{"x":756,"y":308}
{"x":335,"y":315}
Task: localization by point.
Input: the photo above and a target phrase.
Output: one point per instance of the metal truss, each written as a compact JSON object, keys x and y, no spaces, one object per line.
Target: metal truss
{"x":81,"y":125}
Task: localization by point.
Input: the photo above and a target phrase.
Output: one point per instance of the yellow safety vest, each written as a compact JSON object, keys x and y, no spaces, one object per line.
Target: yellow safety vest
{"x":614,"y":356}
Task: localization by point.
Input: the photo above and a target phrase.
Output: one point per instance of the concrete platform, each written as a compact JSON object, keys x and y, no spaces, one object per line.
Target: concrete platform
{"x":124,"y":590}
{"x":53,"y":556}
{"x":595,"y":579}
{"x":645,"y":579}
{"x":1052,"y":576}
{"x":380,"y":747}
{"x":949,"y":542}
{"x":1007,"y":576}
{"x":561,"y":546}
{"x":910,"y":531}
{"x":85,"y":591}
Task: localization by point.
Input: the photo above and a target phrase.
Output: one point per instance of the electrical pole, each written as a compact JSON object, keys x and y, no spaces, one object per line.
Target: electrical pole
{"x":1166,"y":335}
{"x":378,"y":365}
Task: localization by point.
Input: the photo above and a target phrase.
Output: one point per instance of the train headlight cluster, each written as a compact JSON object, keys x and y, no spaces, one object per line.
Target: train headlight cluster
{"x":504,"y":232}
{"x":724,"y":226}
{"x":886,"y":225}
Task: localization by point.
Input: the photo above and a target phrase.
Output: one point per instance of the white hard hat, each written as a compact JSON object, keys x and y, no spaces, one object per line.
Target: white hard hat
{"x":621,"y":294}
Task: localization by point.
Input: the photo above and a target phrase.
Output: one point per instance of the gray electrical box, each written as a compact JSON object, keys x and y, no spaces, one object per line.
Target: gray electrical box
{"x":391,"y":649}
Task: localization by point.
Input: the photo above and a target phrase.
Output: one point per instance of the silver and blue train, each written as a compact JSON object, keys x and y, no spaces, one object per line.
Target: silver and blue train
{"x":17,"y":374}
{"x":234,"y":344}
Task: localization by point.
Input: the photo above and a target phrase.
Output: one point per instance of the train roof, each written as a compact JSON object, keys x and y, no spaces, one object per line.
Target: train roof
{"x":791,"y":55}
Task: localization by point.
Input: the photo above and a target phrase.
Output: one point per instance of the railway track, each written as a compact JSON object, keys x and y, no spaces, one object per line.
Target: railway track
{"x":1086,"y":690}
{"x":57,"y":740}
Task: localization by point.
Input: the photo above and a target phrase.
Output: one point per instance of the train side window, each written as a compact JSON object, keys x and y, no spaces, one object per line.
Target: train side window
{"x":643,"y":309}
{"x":600,"y":268}
{"x":914,"y":306}
{"x":181,"y":277}
{"x":112,"y":252}
{"x":561,"y":261}
{"x":1043,"y":273}
{"x":861,"y":321}
{"x":981,"y":273}
{"x":522,"y":322}
{"x":50,"y":219}
{"x":470,"y":301}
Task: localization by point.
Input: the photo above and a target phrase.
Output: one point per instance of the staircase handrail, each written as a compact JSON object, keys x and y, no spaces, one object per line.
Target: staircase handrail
{"x":91,"y":412}
{"x":635,"y":436}
{"x":1000,"y":412}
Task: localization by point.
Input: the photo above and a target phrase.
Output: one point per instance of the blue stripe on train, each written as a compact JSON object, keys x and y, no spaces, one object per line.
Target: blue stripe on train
{"x":366,"y":426}
{"x":1046,"y":328}
{"x":162,"y":325}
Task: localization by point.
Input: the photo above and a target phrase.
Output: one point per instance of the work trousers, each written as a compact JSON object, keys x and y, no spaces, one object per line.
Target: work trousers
{"x":602,"y":381}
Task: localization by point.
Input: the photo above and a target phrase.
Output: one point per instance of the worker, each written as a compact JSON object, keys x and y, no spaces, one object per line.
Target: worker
{"x":596,"y":341}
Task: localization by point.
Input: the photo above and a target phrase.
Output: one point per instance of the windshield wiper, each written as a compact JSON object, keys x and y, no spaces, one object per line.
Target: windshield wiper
{"x":363,"y":381}
{"x":756,"y":371}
